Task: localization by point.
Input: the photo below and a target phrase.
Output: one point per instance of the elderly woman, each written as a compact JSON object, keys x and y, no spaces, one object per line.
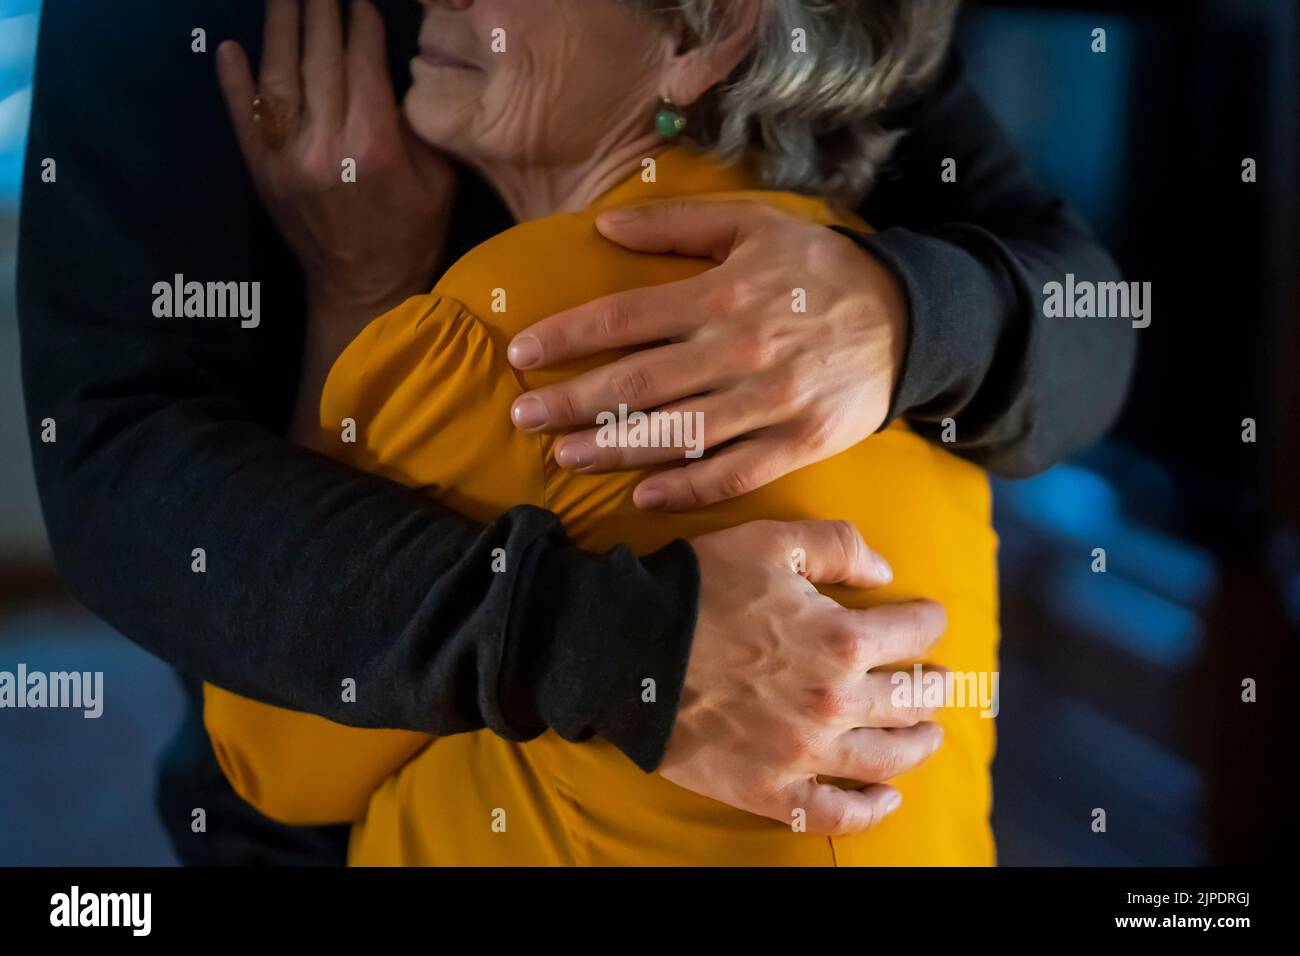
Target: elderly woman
{"x":574,"y":110}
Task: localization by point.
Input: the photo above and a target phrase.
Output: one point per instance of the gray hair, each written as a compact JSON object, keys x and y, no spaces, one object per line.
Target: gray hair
{"x":813,"y":120}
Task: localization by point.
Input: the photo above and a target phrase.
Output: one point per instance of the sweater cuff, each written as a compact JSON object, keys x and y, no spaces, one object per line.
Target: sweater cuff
{"x":590,"y":630}
{"x":958,"y":303}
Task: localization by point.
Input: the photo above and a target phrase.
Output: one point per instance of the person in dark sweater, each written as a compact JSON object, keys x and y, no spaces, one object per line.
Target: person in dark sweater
{"x":170,"y":432}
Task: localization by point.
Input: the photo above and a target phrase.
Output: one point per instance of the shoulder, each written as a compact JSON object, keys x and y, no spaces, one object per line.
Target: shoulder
{"x":548,"y":265}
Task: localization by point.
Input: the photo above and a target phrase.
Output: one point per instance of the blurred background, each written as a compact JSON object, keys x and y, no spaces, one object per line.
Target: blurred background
{"x":1120,"y":690}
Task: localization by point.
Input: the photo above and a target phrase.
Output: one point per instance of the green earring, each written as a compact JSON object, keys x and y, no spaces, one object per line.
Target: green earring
{"x":668,"y":121}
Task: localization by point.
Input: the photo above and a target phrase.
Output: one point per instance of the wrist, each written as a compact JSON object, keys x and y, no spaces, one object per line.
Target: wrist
{"x":894,"y":298}
{"x":331,"y":326}
{"x":597,"y":652}
{"x":890,"y":302}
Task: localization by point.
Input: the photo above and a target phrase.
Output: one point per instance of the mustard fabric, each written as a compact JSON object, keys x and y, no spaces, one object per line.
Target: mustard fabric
{"x":430,"y":390}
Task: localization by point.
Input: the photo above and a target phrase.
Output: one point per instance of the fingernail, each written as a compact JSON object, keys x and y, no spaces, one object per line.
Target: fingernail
{"x":650,"y":499}
{"x":938,"y":739}
{"x":574,"y":456}
{"x":524,"y":352}
{"x":529,"y":412}
{"x":895,"y":800}
{"x":883,"y":569}
{"x":617,"y":216}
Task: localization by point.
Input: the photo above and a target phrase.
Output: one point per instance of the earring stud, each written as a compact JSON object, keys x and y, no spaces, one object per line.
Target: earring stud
{"x":668,"y":122}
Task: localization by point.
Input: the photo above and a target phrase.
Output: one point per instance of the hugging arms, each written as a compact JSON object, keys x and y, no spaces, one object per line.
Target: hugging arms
{"x":170,"y":430}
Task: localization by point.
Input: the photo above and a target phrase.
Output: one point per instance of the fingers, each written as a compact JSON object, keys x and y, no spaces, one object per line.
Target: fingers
{"x":688,"y":228}
{"x":729,"y":473}
{"x":894,"y":633}
{"x":830,"y":811}
{"x":621,"y":320}
{"x":832,"y":552}
{"x":642,"y":380}
{"x":874,"y":756}
{"x":887,"y":705}
{"x":280,"y":75}
{"x":323,"y":79}
{"x":371,"y":104}
{"x":235,"y":77}
{"x":719,"y":412}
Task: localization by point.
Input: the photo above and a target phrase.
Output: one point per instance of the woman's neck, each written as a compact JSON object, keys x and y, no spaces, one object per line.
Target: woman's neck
{"x":537,"y":191}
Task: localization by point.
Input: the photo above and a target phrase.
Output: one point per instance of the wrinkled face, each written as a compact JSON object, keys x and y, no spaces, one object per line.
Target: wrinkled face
{"x":540,"y":82}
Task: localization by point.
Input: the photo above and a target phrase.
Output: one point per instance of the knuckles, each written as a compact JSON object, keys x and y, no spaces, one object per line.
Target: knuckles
{"x":795,"y":749}
{"x":377,"y":156}
{"x":848,"y":540}
{"x":885,"y":761}
{"x":723,"y":299}
{"x":829,"y":705}
{"x":838,"y":821}
{"x":733,"y":483}
{"x":761,"y":349}
{"x":632,"y":386}
{"x":849,"y":647}
{"x":786,"y":392}
{"x":318,"y":168}
{"x":815,"y":434}
{"x":612,"y":322}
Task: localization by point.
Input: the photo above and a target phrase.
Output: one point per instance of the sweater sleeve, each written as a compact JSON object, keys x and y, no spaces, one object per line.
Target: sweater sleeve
{"x":973,"y":256}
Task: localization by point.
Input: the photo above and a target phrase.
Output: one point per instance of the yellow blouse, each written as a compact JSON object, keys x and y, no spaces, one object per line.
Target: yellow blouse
{"x":430,"y":390}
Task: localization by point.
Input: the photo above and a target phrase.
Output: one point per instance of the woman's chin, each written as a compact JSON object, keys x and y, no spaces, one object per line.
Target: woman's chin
{"x":430,"y":124}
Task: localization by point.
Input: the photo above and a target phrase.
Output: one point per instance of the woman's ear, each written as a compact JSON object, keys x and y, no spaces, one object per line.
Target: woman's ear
{"x":694,"y":68}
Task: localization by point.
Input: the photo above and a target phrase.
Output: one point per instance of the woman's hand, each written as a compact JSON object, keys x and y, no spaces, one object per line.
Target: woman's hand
{"x":786,"y":388}
{"x":365,"y":241}
{"x":806,"y":688}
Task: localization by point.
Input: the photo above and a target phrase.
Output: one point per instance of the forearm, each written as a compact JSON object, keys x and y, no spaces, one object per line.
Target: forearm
{"x":329,"y":330}
{"x":305,"y":574}
{"x":973,"y":254}
{"x":1022,"y":391}
{"x":304,"y":422}
{"x":311,"y":574}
